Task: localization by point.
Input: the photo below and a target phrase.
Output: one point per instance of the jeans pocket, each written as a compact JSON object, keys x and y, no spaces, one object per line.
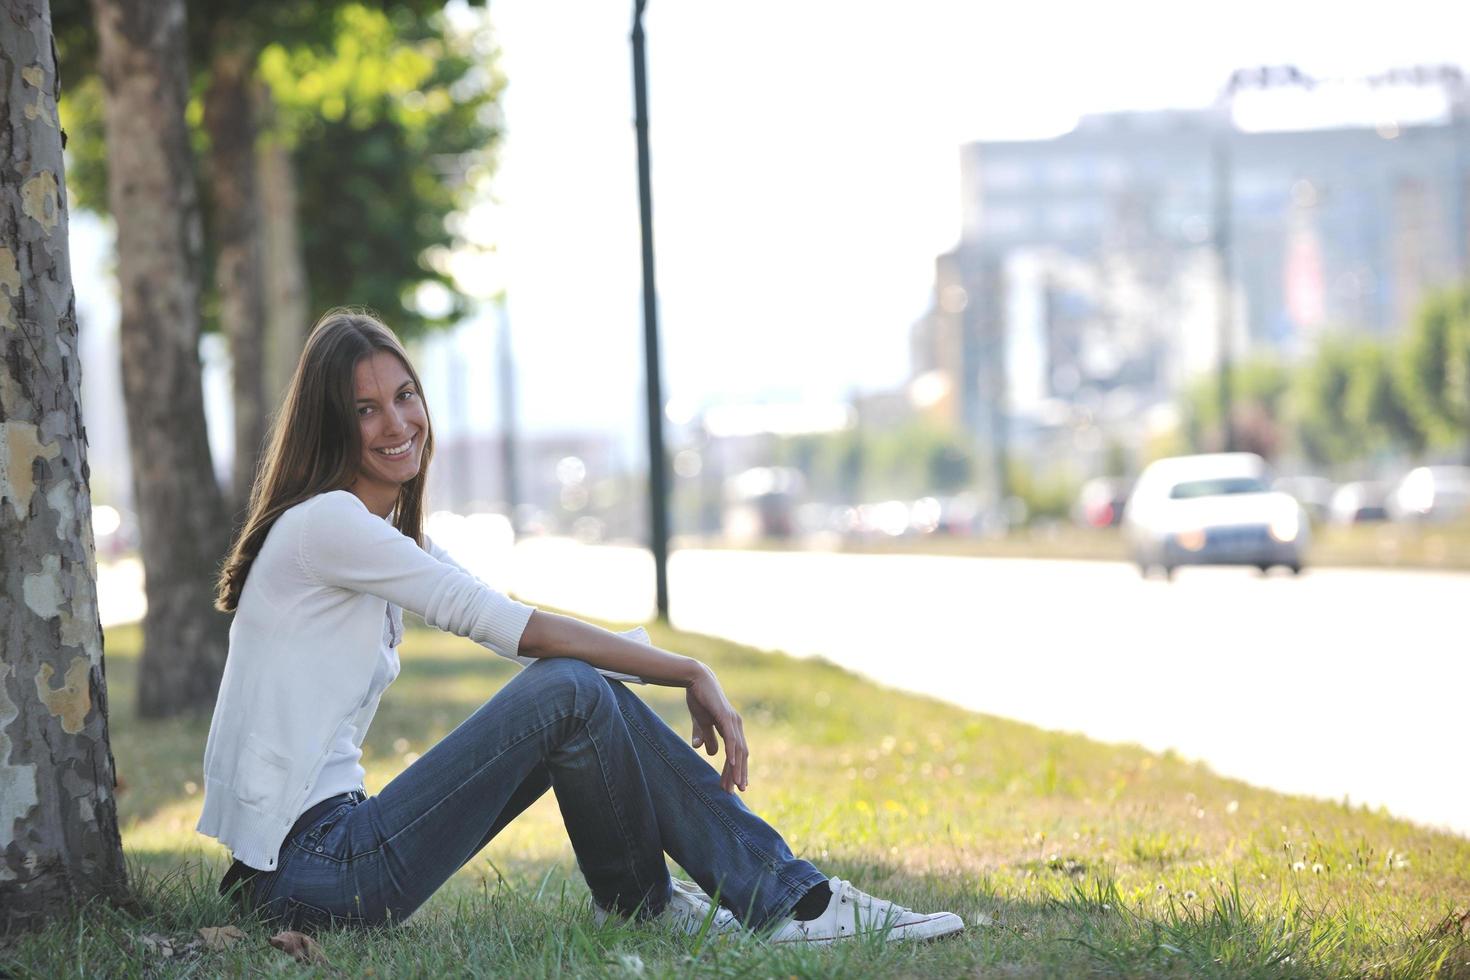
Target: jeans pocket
{"x":305,"y":917}
{"x":311,"y":840}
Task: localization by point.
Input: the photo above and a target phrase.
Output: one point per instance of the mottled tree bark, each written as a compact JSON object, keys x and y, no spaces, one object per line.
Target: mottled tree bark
{"x":59,"y":839}
{"x":230,"y":121}
{"x":181,"y":513}
{"x":286,"y":314}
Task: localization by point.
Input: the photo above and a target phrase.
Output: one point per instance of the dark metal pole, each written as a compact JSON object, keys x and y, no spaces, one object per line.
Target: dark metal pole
{"x":657,"y":464}
{"x":1222,"y":163}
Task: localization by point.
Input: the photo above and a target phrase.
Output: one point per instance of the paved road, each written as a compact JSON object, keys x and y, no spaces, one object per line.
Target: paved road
{"x":1342,"y":683}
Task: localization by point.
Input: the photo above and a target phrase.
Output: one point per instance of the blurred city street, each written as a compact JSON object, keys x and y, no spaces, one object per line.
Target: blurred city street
{"x":1340,"y":683}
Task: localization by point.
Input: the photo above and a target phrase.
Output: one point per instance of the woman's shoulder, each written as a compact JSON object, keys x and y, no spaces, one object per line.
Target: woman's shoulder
{"x":325,"y":515}
{"x":334,"y":505}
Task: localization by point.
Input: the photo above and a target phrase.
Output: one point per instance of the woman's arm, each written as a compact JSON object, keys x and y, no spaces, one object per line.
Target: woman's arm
{"x":550,"y":635}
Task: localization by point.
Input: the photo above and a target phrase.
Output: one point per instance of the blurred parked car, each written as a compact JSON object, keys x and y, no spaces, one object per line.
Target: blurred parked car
{"x":1214,"y":509}
{"x":1432,"y":493}
{"x":1359,"y":503}
{"x":1314,"y":493}
{"x":761,"y":503}
{"x":1101,"y":501}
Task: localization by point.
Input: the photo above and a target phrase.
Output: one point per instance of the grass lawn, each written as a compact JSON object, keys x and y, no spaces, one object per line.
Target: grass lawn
{"x":1091,"y":858}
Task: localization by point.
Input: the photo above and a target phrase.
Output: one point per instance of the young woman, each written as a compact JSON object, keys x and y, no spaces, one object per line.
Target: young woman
{"x":331,"y":553}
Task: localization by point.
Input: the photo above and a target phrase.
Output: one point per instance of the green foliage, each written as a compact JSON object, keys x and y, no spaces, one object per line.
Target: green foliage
{"x":391,"y":115}
{"x":1435,"y":367}
{"x":1381,"y":402}
{"x":862,"y":465}
{"x":1354,"y":398}
{"x":392,"y":125}
{"x":1329,"y":427}
{"x":1258,"y":391}
{"x":1048,"y":495}
{"x":86,"y":152}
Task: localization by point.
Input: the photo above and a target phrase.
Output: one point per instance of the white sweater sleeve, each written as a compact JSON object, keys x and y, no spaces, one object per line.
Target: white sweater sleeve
{"x":341,"y":543}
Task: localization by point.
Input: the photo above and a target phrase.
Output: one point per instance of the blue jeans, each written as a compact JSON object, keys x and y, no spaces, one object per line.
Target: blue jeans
{"x":629,"y":788}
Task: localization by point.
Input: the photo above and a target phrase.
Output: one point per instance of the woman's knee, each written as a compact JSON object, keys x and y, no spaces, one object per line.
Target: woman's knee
{"x":569,"y":676}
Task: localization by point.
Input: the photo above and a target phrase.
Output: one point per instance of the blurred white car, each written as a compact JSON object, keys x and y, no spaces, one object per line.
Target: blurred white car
{"x":1214,"y":509}
{"x":1432,"y":493}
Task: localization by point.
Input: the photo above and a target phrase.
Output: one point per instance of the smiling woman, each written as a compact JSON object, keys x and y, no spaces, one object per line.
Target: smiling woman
{"x":394,"y":424}
{"x":331,"y":554}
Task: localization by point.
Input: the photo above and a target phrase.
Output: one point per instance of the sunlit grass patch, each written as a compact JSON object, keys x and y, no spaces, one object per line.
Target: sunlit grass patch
{"x":1089,"y":858}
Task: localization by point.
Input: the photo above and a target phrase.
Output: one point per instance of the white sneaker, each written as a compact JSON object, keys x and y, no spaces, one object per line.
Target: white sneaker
{"x":687,"y":911}
{"x":855,"y":913}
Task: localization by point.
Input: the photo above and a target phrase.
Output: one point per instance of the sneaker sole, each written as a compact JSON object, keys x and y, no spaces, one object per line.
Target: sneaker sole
{"x":932,"y":927}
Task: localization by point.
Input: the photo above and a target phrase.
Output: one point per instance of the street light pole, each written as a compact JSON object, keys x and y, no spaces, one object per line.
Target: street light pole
{"x":1226,"y":312}
{"x":657,"y":464}
{"x":505,"y":364}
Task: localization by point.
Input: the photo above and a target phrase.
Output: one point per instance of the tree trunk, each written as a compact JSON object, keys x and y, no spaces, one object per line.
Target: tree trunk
{"x":286,"y":312}
{"x":230,"y":121}
{"x":181,"y":514}
{"x":59,"y":839}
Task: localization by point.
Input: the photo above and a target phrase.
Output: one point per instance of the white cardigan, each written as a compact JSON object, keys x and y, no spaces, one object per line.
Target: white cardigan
{"x":307,"y":634}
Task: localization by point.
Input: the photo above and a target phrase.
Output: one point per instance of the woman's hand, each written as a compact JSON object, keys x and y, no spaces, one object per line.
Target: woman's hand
{"x":713,"y":716}
{"x":550,"y":635}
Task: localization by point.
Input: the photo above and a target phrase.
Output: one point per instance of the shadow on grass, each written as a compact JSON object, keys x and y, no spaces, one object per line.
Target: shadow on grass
{"x":535,"y":920}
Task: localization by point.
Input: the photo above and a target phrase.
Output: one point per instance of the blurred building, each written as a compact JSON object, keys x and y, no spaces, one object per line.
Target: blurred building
{"x":560,"y":479}
{"x":1085,"y":286}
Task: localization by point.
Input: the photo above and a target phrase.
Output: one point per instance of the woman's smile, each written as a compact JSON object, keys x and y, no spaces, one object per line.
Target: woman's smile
{"x":398,"y":450}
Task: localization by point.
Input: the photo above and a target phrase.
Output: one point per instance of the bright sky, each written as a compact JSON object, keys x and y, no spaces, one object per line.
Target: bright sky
{"x":805,"y":168}
{"x":805,"y":164}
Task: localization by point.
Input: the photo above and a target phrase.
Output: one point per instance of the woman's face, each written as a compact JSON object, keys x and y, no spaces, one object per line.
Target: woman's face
{"x":393,"y":424}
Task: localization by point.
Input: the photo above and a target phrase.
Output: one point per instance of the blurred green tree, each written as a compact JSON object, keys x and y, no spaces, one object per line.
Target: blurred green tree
{"x":338,"y":138}
{"x":1329,"y":429}
{"x":1435,"y":368}
{"x":914,"y":459}
{"x":1378,"y":399}
{"x":1260,"y":389}
{"x":1047,"y":494}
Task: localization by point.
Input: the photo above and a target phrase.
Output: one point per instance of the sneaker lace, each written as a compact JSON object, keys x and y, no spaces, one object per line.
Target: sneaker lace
{"x":847,"y":893}
{"x":692,"y":905}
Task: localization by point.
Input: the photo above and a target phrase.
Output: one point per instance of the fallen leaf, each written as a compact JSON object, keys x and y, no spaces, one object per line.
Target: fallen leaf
{"x":220,"y":937}
{"x":301,"y":947}
{"x":167,"y":947}
{"x":1454,"y":923}
{"x":157,"y":944}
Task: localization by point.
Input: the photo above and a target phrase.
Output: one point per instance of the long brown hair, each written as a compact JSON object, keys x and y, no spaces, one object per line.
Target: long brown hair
{"x":315,"y":444}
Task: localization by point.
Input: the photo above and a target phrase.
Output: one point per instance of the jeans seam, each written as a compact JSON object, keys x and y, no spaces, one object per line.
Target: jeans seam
{"x":767,"y":860}
{"x":629,"y":846}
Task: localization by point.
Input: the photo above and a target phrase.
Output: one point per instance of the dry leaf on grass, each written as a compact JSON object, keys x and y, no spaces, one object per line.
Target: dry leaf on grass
{"x":220,"y":937}
{"x":166,"y":947}
{"x":301,"y":947}
{"x":156,"y":944}
{"x":1453,"y":924}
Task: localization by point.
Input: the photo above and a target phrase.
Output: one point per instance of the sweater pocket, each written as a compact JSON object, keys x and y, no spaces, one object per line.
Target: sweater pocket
{"x":261,"y":775}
